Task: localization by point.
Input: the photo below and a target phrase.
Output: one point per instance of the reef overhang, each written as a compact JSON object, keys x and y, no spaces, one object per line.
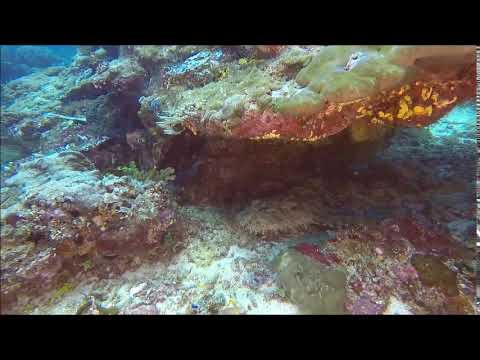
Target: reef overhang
{"x":342,"y":87}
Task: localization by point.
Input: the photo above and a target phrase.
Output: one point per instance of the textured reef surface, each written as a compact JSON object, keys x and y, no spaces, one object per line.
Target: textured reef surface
{"x":239,"y":180}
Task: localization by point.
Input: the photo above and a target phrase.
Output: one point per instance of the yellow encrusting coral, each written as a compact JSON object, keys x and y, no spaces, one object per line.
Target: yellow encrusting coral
{"x":415,"y":102}
{"x":363,"y":112}
{"x":426,"y":93}
{"x":420,"y":110}
{"x":387,"y":115}
{"x":404,"y":112}
{"x":445,"y":103}
{"x":268,"y":136}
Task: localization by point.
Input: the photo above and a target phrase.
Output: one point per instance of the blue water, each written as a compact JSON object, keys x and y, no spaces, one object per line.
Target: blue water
{"x":20,"y":60}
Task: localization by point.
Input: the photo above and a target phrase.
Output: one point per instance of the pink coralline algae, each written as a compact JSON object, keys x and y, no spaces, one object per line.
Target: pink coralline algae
{"x":258,"y":124}
{"x":405,"y":273}
{"x":166,"y":216}
{"x":426,"y":240}
{"x":316,"y":254}
{"x":365,"y":306}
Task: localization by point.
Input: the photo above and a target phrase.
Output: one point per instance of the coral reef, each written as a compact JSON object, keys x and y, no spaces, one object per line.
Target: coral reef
{"x":78,"y":107}
{"x":59,"y":212}
{"x":240,"y":180}
{"x":117,"y":76}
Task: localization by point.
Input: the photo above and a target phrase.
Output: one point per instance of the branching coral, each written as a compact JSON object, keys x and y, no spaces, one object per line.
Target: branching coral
{"x":168,"y":123}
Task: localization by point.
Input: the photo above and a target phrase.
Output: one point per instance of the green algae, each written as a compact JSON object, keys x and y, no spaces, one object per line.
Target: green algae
{"x":61,"y":292}
{"x":131,"y":170}
{"x":434,"y":273}
{"x":28,"y":309}
{"x":87,"y":265}
{"x":102,"y":310}
{"x":83,"y":306}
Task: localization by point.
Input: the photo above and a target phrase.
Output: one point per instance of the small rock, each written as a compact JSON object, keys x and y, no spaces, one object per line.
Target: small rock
{"x":135,"y":290}
{"x":231,"y":310}
{"x":142,"y":310}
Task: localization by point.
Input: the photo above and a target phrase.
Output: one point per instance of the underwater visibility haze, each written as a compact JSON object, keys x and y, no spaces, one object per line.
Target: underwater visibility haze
{"x":266,"y":179}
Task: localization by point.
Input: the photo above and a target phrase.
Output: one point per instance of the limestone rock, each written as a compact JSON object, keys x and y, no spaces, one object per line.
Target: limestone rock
{"x":434,"y":273}
{"x":315,"y":288}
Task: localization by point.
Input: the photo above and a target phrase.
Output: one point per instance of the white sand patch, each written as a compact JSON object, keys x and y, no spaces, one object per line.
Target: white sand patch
{"x":396,"y":307}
